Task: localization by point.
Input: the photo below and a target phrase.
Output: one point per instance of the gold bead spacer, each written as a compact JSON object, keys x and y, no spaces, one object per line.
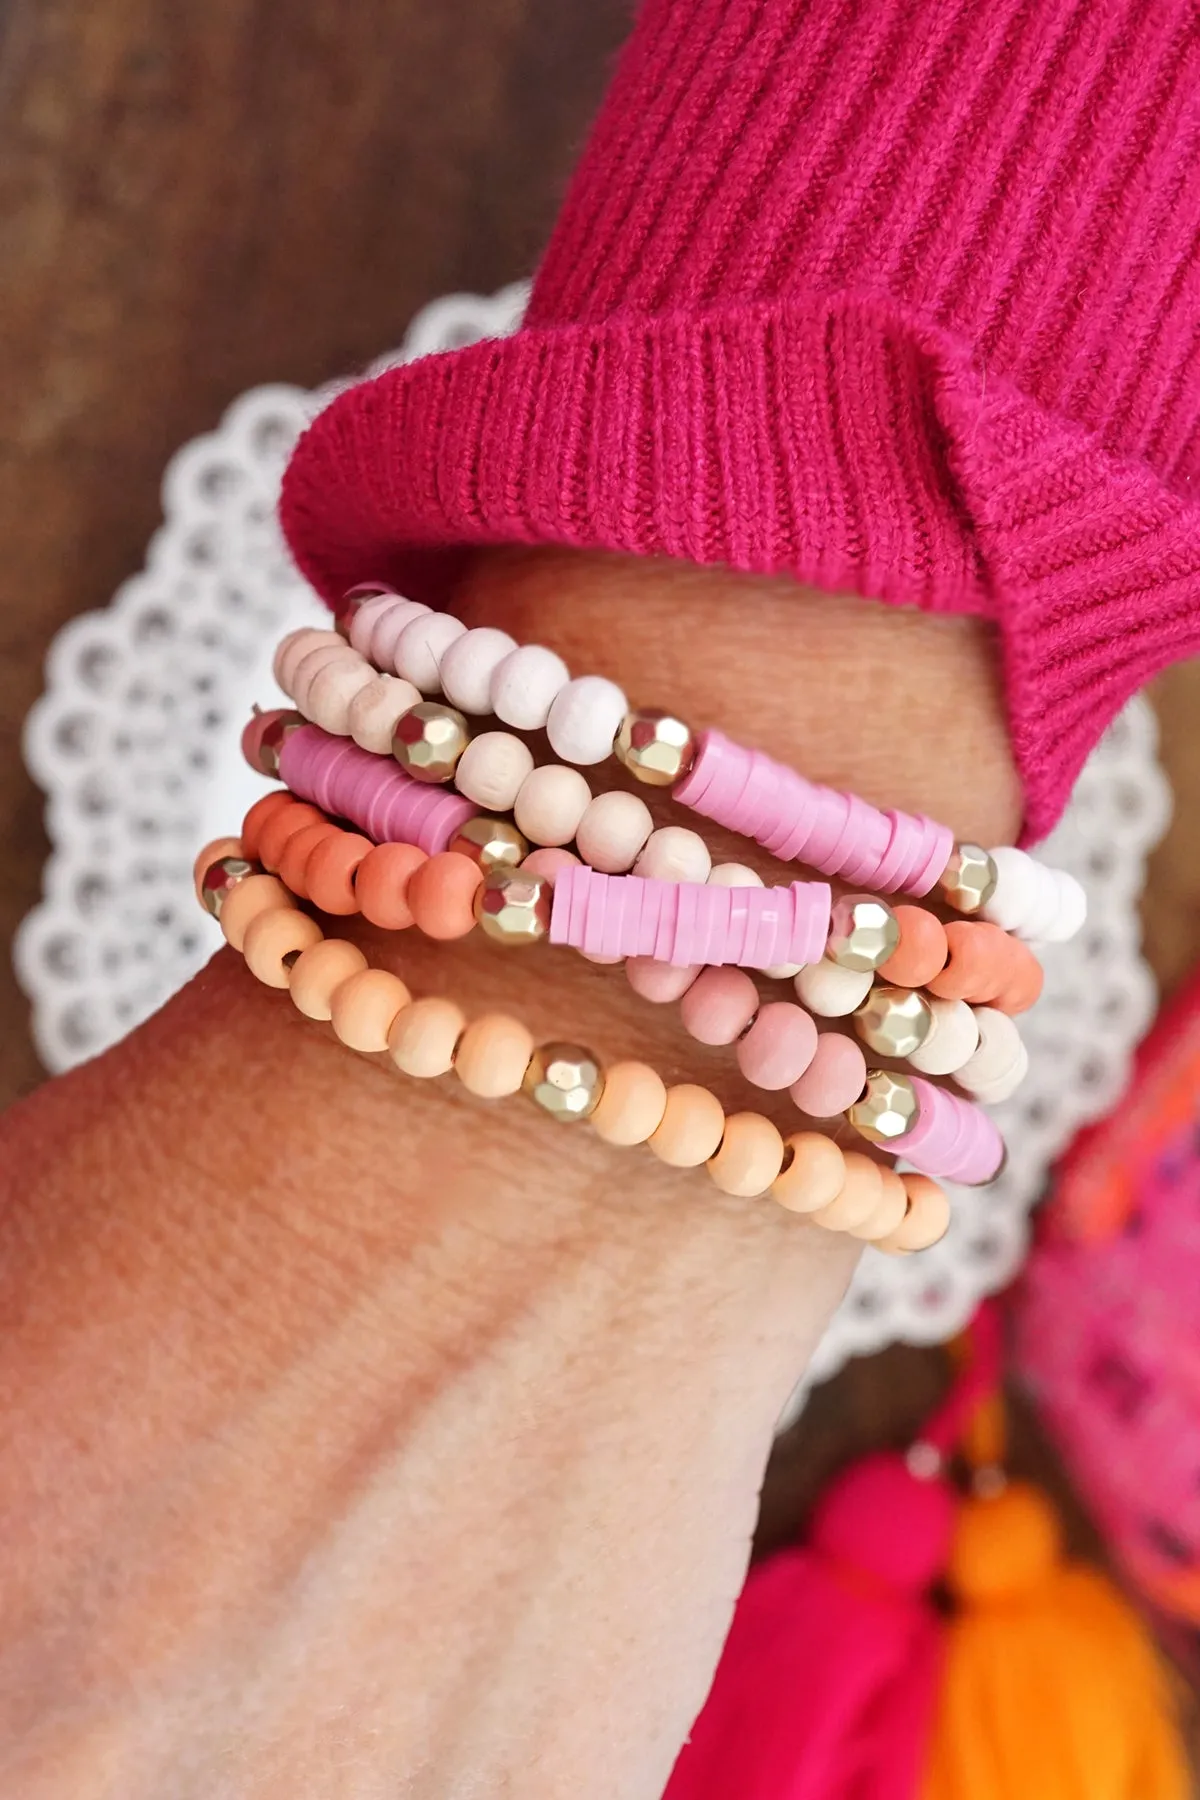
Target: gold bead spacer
{"x":894,"y":1021}
{"x":220,"y":878}
{"x":274,"y":737}
{"x":863,"y":932}
{"x":887,"y":1109}
{"x":565,"y":1080}
{"x":969,"y":879}
{"x":492,"y":843}
{"x":513,"y":906}
{"x":429,"y":739}
{"x":351,"y":600}
{"x":656,"y":747}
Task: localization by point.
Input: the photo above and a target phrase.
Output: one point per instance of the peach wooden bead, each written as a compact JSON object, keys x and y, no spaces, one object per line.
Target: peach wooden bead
{"x":750,"y":1156}
{"x":888,"y":1214}
{"x":211,"y":853}
{"x":491,"y":769}
{"x":423,"y":1039}
{"x":551,"y":803}
{"x":550,"y":862}
{"x":298,"y":849}
{"x":280,"y":827}
{"x":860,"y":1196}
{"x":295,"y":647}
{"x":691,"y":1127}
{"x":331,"y":691}
{"x":364,"y":1007}
{"x":273,"y":935}
{"x":926,"y":1221}
{"x":257,"y":894}
{"x":308,"y":667}
{"x":377,"y":709}
{"x":330,"y":872}
{"x":612,"y":831}
{"x":256,"y":818}
{"x":381,"y":884}
{"x":493,"y":1055}
{"x":813,"y":1172}
{"x":977,"y":962}
{"x":631,"y":1108}
{"x":441,"y":894}
{"x":320,"y":969}
{"x":921,"y":953}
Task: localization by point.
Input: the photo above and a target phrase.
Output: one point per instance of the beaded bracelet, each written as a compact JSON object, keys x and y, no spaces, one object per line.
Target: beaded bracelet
{"x":587,"y":719}
{"x":372,"y":1011}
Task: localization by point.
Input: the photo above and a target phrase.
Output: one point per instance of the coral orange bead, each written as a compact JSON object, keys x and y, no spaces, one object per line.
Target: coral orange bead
{"x":441,"y":894}
{"x":382,"y":884}
{"x":281,"y":826}
{"x":921,"y":953}
{"x":257,"y":817}
{"x":330,"y":872}
{"x":296,"y":852}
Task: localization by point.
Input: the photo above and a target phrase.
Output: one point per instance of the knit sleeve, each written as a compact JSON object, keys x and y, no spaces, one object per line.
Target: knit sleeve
{"x":900,"y":297}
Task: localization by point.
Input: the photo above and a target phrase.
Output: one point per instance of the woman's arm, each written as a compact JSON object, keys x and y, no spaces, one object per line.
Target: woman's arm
{"x":364,"y":1439}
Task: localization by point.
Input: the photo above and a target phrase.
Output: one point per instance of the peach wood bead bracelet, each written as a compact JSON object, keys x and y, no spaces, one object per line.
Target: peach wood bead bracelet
{"x":940,"y":1134}
{"x":777,"y":1045}
{"x":588,"y":719}
{"x":372,"y":1011}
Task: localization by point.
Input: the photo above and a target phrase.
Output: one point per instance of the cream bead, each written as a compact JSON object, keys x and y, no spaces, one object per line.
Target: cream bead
{"x":525,"y":686}
{"x":421,"y":647}
{"x":733,"y":875}
{"x":468,"y":664}
{"x":274,"y":935}
{"x":813,"y":1173}
{"x":750,"y":1155}
{"x":926,"y":1221}
{"x":673,"y":853}
{"x":631,"y":1108}
{"x":376,"y":710}
{"x":998,"y":1050}
{"x":493,"y":1055}
{"x":860,"y":1195}
{"x":552,"y":801}
{"x":295,"y":647}
{"x":364,"y":1007}
{"x":331,"y":693}
{"x":612,"y":831}
{"x":422,"y":1039}
{"x":951,"y":1041}
{"x":310,"y":665}
{"x":491,"y":769}
{"x":830,"y":992}
{"x":585,"y":718}
{"x":320,"y":969}
{"x":691,"y":1129}
{"x":253,"y":895}
{"x":1002,"y":1087}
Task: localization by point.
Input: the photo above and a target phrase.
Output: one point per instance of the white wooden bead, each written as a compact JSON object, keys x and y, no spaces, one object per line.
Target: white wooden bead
{"x":1018,"y":886}
{"x":468,"y":665}
{"x":311,"y":664}
{"x":1072,"y":909}
{"x":365,"y":619}
{"x":612,"y":832}
{"x":331,"y":691}
{"x":673,"y":853}
{"x":830,"y":992}
{"x":731,"y":874}
{"x":491,"y":769}
{"x":996,"y":1055}
{"x":585,"y":718}
{"x":376,"y":710}
{"x":295,"y":647}
{"x":551,"y":803}
{"x":994,"y":1093}
{"x":386,"y":632}
{"x":525,"y":686}
{"x":421,"y":647}
{"x":953,"y":1038}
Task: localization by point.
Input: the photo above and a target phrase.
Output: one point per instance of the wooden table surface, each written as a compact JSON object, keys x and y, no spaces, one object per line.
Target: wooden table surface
{"x":202,"y":195}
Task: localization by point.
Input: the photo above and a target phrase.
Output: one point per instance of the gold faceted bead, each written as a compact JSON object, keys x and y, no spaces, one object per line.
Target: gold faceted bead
{"x":655,"y":746}
{"x":969,"y":880}
{"x":513,"y":906}
{"x":219,"y":879}
{"x":352,"y":599}
{"x":887,"y":1109}
{"x":492,"y":843}
{"x":863,"y":932}
{"x":429,"y":739}
{"x":893,"y":1021}
{"x":565,"y":1079}
{"x":274,"y":735}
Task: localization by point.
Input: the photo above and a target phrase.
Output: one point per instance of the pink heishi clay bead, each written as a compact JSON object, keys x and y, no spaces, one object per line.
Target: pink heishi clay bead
{"x":834,"y":1078}
{"x":660,"y":982}
{"x":550,"y":862}
{"x":718,"y":1006}
{"x":778,"y":1046}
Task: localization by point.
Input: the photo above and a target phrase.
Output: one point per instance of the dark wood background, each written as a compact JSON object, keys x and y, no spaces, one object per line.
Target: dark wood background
{"x":200,"y":195}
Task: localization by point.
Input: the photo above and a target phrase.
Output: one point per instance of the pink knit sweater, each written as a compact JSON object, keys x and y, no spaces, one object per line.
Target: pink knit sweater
{"x":899,"y":297}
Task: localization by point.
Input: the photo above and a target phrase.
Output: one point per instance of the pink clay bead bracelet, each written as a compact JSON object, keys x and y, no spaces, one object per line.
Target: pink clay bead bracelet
{"x":371,"y":791}
{"x":372,"y":1011}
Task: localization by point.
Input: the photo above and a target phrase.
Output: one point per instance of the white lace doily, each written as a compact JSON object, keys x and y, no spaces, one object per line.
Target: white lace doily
{"x":135,"y":743}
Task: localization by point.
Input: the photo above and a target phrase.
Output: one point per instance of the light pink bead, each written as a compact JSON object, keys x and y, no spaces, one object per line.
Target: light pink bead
{"x":421,"y":646}
{"x":952,"y":1138}
{"x":834,"y":1078}
{"x":311,"y":664}
{"x":295,"y":647}
{"x":331,"y":692}
{"x":687,"y":922}
{"x":365,"y":619}
{"x":387,"y":631}
{"x":718,"y":1007}
{"x":370,"y":791}
{"x":468,"y":664}
{"x":658,"y":981}
{"x":778,"y":1046}
{"x":550,"y":861}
